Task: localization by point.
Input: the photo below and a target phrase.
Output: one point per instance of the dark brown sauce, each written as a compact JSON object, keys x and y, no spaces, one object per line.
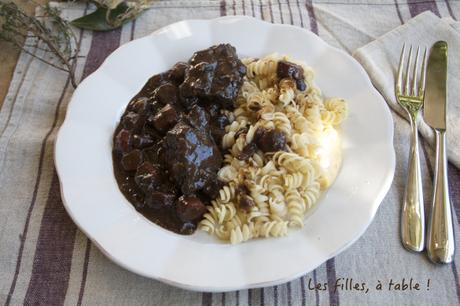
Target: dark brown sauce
{"x":165,"y":218}
{"x":166,"y":148}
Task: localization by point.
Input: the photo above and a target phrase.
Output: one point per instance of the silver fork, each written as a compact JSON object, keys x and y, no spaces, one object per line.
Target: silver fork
{"x":410,"y":97}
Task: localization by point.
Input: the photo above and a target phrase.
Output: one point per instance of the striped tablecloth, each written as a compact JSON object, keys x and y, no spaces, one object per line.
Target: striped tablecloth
{"x":46,"y":260}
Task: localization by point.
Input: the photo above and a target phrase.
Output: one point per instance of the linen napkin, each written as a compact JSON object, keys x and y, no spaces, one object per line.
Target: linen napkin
{"x":380,"y":59}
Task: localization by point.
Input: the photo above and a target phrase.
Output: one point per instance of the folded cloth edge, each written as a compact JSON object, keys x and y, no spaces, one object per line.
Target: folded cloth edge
{"x":380,"y":82}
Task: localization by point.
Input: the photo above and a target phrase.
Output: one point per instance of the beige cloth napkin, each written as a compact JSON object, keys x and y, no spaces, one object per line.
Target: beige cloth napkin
{"x":380,"y":58}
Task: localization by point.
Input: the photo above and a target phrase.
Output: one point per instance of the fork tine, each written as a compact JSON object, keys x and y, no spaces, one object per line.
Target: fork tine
{"x":421,"y":88}
{"x":407,"y":88}
{"x":399,"y":80}
{"x":414,"y":74}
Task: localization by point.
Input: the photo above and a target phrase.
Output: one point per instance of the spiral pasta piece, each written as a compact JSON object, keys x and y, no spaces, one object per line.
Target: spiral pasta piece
{"x":266,"y":193}
{"x":335,"y":111}
{"x":272,"y":228}
{"x":242,"y":233}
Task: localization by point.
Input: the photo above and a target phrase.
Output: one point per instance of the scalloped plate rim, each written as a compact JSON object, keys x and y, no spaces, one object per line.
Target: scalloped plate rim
{"x":388,"y":176}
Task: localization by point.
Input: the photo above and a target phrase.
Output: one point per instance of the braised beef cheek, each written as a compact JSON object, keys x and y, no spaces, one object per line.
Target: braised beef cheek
{"x":166,"y":148}
{"x":193,"y":157}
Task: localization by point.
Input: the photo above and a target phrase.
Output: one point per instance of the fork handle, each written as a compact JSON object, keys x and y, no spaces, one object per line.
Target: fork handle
{"x":413,"y":216}
{"x":440,"y":238}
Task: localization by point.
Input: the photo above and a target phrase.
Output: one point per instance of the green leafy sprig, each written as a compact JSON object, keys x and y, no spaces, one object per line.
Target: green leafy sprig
{"x":111,"y":14}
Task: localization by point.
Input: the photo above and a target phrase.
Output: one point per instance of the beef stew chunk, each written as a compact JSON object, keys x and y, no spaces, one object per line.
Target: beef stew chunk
{"x":148,"y":177}
{"x":270,"y":140}
{"x":198,"y":81}
{"x":143,"y":141}
{"x":153,"y":83}
{"x":300,"y":84}
{"x":178,"y":72}
{"x":216,"y":74}
{"x":130,"y":161}
{"x":165,"y":119}
{"x":165,"y":149}
{"x":247,"y":152}
{"x":192,"y":157}
{"x":246,"y":202}
{"x":287,"y":69}
{"x":199,"y":118}
{"x":190,"y":208}
{"x":138,"y":105}
{"x":212,"y":187}
{"x":166,"y":94}
{"x":160,"y":200}
{"x":123,"y":142}
{"x":132,"y":121}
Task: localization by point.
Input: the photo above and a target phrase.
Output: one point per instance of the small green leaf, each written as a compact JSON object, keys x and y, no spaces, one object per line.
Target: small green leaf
{"x":100,"y":21}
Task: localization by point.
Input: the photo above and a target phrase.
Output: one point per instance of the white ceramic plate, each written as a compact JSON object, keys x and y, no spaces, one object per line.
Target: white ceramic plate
{"x":200,"y":262}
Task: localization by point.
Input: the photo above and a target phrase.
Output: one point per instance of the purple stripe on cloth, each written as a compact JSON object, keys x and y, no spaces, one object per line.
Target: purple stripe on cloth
{"x":331,"y":279}
{"x":243,"y":5}
{"x":250,"y":296}
{"x":281,"y":11}
{"x":252,"y":9}
{"x":53,"y":254}
{"x":300,"y":13}
{"x":316,"y":291}
{"x":85,"y":272}
{"x":399,"y":12}
{"x":223,"y":298}
{"x":261,"y":9}
{"x":454,"y":188}
{"x":234,"y":7}
{"x":290,"y":12}
{"x":262,"y":297}
{"x":302,"y":290}
{"x":454,"y":183}
{"x":237,"y":297}
{"x":449,"y":8}
{"x":206,"y":299}
{"x":457,"y":287}
{"x":275,"y":296}
{"x":102,"y":44}
{"x":23,"y":236}
{"x":271,"y":11}
{"x":416,"y":7}
{"x":223,"y":8}
{"x":133,"y":29}
{"x":311,"y":15}
{"x":289,"y":294}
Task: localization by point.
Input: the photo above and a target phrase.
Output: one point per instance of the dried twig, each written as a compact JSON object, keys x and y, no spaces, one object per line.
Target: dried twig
{"x":49,"y":33}
{"x":54,"y":36}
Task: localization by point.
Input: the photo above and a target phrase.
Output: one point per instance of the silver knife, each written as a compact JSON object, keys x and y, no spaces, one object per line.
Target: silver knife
{"x":440,"y":237}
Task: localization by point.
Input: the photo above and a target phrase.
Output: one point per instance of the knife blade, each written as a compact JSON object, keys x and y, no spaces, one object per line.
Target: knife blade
{"x":435,"y":104}
{"x":440,"y":242}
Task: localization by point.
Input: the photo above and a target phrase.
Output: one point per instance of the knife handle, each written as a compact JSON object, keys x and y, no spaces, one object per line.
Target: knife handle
{"x":413,"y":216}
{"x":440,"y":237}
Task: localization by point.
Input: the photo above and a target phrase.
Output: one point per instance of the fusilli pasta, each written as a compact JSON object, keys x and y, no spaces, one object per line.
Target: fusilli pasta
{"x":267,"y":193}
